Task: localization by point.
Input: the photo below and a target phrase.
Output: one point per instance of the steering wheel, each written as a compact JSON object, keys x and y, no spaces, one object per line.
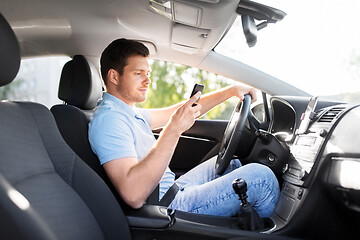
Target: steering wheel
{"x":232,"y":134}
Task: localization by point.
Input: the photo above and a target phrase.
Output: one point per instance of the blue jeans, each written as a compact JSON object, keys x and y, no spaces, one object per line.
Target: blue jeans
{"x":201,"y":191}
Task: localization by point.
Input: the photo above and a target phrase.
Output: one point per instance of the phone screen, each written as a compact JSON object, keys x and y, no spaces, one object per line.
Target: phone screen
{"x":197,"y":88}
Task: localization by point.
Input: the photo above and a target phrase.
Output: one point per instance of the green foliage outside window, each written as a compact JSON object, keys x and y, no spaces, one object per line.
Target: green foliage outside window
{"x":172,"y":83}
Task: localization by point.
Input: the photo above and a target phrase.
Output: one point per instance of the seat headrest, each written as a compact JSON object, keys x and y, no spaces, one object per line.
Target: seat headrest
{"x":80,"y":83}
{"x":9,"y":53}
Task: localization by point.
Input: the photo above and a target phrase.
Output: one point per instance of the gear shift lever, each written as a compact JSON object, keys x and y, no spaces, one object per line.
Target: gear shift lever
{"x":248,"y":217}
{"x":240,"y":188}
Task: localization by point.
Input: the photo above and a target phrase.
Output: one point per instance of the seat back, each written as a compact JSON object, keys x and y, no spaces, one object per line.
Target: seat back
{"x":46,"y":190}
{"x":80,"y":89}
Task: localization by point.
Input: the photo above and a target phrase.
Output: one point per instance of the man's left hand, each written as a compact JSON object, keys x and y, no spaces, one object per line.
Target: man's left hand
{"x":241,"y":91}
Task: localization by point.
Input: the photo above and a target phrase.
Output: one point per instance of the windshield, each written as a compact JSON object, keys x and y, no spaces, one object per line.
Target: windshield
{"x":316,"y":47}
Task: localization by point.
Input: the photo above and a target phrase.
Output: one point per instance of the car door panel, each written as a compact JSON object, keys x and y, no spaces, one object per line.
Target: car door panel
{"x":198,"y":144}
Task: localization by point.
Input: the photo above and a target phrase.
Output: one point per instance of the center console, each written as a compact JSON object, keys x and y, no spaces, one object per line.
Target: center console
{"x":305,"y":150}
{"x":164,"y":222}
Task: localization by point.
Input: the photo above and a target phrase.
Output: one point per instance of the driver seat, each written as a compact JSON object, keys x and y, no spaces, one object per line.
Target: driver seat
{"x":80,"y":88}
{"x":46,"y":190}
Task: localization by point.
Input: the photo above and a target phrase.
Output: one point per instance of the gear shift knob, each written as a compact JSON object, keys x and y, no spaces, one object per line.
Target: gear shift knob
{"x":240,"y":187}
{"x":248,"y":217}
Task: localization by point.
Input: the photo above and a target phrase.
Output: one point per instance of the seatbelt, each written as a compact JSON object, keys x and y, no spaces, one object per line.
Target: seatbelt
{"x":153,"y":199}
{"x":165,"y":201}
{"x":169,"y":195}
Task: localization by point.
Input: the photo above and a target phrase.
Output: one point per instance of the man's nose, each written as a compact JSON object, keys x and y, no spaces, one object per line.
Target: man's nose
{"x":147,"y":80}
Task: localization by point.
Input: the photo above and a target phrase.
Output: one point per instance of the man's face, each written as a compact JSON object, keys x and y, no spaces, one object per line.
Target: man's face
{"x":134,"y":83}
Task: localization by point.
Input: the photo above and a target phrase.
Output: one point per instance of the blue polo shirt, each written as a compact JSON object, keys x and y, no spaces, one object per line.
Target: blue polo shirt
{"x":118,"y":131}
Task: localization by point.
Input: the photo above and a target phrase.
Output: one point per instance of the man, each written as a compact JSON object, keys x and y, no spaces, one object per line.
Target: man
{"x":120,"y":134}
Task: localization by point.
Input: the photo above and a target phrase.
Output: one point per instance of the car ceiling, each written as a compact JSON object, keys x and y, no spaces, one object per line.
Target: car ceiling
{"x":86,"y":27}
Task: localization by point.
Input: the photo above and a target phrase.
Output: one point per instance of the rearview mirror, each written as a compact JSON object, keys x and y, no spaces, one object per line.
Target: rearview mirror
{"x":250,"y":30}
{"x":251,"y":11}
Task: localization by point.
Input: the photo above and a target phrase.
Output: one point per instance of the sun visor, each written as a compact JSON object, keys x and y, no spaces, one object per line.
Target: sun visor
{"x":188,"y":39}
{"x":150,"y":46}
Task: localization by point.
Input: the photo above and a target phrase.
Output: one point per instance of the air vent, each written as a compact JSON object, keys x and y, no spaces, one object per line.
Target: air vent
{"x":331,"y":114}
{"x":318,"y":113}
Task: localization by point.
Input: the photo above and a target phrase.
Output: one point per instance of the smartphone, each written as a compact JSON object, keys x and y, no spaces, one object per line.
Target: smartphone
{"x":307,"y":116}
{"x":197,"y":88}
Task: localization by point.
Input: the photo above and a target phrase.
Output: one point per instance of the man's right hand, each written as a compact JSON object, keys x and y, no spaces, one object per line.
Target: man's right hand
{"x":184,"y":117}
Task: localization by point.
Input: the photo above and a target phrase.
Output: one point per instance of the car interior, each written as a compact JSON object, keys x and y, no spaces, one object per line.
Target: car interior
{"x":52,"y":185}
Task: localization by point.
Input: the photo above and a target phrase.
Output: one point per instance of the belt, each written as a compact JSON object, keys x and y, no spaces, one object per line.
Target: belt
{"x":166,"y":199}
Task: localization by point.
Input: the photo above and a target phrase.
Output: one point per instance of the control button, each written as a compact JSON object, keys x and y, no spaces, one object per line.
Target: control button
{"x":300,"y":193}
{"x":323,"y":133}
{"x":271,"y":157}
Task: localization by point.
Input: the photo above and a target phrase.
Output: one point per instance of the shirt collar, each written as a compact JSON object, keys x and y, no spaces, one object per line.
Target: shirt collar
{"x":120,"y":105}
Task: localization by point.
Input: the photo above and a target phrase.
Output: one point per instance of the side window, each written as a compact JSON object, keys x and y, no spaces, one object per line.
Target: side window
{"x":172,"y":83}
{"x":261,"y":110}
{"x":37,"y":81}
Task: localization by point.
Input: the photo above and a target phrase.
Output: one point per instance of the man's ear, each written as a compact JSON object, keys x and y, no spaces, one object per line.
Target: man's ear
{"x":113,"y":76}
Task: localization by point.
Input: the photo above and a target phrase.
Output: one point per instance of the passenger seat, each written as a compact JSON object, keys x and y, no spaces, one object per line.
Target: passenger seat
{"x":46,"y":190}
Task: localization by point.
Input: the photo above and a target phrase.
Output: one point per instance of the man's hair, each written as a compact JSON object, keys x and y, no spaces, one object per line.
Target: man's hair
{"x":115,"y":55}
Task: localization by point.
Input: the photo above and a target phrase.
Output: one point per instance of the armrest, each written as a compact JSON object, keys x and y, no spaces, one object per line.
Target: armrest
{"x":150,"y":216}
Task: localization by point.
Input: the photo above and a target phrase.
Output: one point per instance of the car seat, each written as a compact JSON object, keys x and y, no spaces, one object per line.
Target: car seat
{"x":80,"y":88}
{"x":46,"y":190}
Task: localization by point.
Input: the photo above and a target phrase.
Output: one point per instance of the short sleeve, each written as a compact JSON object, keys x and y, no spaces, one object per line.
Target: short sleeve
{"x":111,"y":137}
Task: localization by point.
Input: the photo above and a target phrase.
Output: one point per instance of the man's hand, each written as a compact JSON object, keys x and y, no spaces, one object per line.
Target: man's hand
{"x":184,"y":117}
{"x":163,"y":116}
{"x":241,"y":91}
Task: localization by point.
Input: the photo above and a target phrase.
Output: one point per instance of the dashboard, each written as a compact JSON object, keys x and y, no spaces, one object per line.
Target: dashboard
{"x":322,"y":160}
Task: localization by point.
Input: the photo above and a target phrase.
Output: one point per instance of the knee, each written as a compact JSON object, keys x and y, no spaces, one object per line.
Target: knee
{"x":263,"y":172}
{"x":269,"y":180}
{"x":260,"y":168}
{"x":265,"y":191}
